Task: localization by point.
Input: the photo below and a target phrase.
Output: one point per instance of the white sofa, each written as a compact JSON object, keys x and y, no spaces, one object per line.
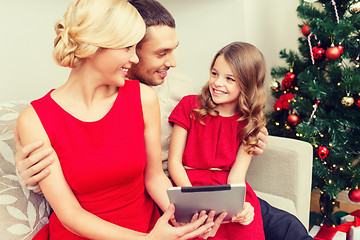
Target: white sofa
{"x":281,"y":176}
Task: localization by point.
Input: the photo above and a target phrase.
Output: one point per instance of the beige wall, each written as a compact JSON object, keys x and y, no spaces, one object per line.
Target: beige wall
{"x":27,"y":70}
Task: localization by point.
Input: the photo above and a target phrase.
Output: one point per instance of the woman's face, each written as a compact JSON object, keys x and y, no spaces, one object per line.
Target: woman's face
{"x":112,"y":65}
{"x":223,"y":87}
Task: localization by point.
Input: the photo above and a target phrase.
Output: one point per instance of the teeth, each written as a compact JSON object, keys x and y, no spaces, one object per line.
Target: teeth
{"x":125,"y":69}
{"x":217,"y":91}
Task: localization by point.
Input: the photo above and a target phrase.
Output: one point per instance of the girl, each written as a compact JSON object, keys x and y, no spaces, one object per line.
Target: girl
{"x":215,"y":133}
{"x":105,"y":132}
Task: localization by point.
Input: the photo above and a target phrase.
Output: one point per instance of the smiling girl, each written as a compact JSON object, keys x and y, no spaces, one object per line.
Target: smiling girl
{"x":215,"y":133}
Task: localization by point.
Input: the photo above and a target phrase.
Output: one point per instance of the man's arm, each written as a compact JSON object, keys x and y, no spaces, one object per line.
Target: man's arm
{"x":32,"y":168}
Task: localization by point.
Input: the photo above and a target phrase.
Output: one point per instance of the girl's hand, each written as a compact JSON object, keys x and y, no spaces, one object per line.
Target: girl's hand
{"x":164,"y":231}
{"x":246,"y":216}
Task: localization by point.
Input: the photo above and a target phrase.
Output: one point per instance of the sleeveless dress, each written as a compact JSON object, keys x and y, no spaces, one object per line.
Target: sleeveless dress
{"x":215,"y":145}
{"x":103,"y":161}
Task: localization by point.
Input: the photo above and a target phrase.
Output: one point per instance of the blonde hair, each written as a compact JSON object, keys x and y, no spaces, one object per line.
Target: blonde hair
{"x":92,"y":24}
{"x":248,"y":66}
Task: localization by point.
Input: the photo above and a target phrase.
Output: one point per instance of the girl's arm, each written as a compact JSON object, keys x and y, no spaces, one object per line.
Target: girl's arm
{"x":59,"y":194}
{"x":176,"y":151}
{"x":237,"y":175}
{"x":156,"y":181}
{"x":239,"y":169}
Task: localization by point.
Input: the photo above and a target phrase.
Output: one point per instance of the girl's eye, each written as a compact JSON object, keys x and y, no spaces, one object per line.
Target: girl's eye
{"x":230,"y":79}
{"x":129,"y":47}
{"x":213,"y":73}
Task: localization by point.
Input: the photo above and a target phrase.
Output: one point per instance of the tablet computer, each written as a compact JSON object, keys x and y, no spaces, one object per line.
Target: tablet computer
{"x":221,"y":198}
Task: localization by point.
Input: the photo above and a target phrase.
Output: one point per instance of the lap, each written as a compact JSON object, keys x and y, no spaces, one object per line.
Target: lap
{"x":279,"y":224}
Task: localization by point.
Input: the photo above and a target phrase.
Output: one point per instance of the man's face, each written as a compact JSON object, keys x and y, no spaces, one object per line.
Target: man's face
{"x":156,"y":55}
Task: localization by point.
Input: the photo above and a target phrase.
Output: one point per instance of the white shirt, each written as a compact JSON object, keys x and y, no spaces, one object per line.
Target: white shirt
{"x":175,"y":87}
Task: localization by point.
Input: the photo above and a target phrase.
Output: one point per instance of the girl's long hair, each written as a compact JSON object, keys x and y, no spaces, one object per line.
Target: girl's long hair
{"x":248,"y":66}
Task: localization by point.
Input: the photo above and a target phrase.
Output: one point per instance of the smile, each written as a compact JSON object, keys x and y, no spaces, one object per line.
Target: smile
{"x":218,"y":91}
{"x":125,"y":70}
{"x":162,"y":74}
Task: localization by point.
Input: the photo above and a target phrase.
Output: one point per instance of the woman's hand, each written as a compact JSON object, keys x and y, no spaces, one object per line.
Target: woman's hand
{"x":246,"y":216}
{"x":216,"y":226}
{"x":163,"y":230}
{"x":210,"y":218}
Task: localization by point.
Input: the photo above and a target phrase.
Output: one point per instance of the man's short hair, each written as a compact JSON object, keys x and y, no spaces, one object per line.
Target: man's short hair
{"x":153,"y":13}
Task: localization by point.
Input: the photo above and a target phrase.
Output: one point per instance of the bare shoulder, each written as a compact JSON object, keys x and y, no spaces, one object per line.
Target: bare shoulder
{"x":26,"y":117}
{"x":148,"y":95}
{"x":29,"y":127}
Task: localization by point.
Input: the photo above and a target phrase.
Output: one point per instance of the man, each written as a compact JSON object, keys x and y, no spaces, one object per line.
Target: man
{"x":156,"y":57}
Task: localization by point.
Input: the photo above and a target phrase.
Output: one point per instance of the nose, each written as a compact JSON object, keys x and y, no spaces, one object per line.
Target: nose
{"x":170,"y":60}
{"x":219,"y":81}
{"x":134,"y":59}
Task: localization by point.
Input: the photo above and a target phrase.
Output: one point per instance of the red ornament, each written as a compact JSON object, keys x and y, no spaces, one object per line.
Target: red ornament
{"x":288,"y":81}
{"x":333,"y":53}
{"x":323,"y":152}
{"x":357,"y":102}
{"x":354,"y":195}
{"x":305,"y":30}
{"x":283,"y":102}
{"x":293,"y":119}
{"x":318,"y":52}
{"x":341,"y":49}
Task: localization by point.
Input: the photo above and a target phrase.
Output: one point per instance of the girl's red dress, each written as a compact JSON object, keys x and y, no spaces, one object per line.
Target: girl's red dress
{"x":215,"y":145}
{"x":103,"y":162}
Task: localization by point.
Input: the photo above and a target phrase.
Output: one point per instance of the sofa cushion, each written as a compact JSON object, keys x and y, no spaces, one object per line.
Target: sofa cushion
{"x":278,"y":202}
{"x":22,"y":212}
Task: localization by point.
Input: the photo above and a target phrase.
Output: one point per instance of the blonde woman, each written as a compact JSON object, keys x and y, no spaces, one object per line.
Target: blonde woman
{"x":216,"y":132}
{"x":105,"y":132}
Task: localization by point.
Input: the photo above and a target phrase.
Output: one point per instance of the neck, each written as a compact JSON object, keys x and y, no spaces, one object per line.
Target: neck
{"x":226,"y":110}
{"x":82,"y":85}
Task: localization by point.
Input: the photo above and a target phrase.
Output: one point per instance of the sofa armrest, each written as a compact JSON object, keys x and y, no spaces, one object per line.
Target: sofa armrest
{"x":284,"y":170}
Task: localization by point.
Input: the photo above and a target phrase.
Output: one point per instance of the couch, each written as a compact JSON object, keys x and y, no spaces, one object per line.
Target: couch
{"x":281,"y":176}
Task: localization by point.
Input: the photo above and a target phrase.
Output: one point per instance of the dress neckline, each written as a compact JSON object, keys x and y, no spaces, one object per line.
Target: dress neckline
{"x":79,"y":120}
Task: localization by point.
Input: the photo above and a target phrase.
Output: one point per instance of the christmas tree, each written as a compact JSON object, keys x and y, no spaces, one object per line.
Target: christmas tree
{"x":318,"y":96}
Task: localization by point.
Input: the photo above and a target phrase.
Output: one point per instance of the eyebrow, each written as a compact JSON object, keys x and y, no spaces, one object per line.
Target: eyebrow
{"x":166,"y":49}
{"x":230,"y":75}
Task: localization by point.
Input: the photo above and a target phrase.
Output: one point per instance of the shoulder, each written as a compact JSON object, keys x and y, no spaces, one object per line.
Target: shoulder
{"x":148,"y":96}
{"x":29,"y":126}
{"x":26,"y":116}
{"x":191,"y":101}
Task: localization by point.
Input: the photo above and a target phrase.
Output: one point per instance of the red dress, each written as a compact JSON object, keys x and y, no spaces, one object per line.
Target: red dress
{"x":214,"y":145}
{"x":103,"y":161}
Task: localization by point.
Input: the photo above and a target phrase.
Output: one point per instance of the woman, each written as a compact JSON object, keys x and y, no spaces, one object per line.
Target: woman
{"x":105,"y":131}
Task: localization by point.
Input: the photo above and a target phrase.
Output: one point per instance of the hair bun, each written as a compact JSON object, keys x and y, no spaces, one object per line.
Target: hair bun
{"x":64,"y":46}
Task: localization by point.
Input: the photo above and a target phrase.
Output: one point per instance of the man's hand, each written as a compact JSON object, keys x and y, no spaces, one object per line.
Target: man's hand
{"x":263,"y":140}
{"x":32,"y":169}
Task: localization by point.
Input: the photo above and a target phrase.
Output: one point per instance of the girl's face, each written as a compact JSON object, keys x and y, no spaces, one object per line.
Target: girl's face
{"x":223,"y":87}
{"x":112,"y":65}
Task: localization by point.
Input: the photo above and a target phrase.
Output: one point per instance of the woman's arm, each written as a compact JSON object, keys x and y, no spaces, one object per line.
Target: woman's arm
{"x":59,"y":194}
{"x":156,"y":181}
{"x":176,"y":151}
{"x":239,"y":169}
